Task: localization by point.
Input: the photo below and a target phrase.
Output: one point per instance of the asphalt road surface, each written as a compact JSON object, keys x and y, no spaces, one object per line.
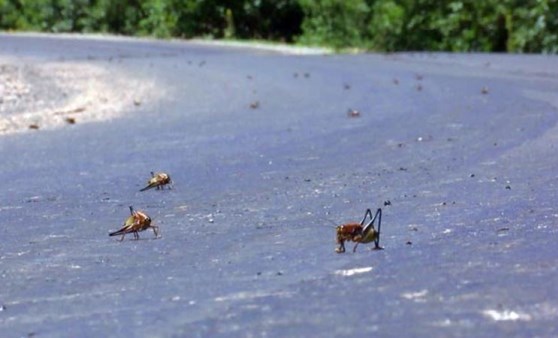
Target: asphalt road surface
{"x":460,"y":152}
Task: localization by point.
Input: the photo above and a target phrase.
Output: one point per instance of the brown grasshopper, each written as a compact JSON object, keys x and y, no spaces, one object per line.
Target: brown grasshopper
{"x":359,"y":232}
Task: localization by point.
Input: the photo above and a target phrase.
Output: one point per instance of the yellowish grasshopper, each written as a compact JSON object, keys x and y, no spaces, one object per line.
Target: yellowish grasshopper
{"x":137,"y":222}
{"x":158,"y":180}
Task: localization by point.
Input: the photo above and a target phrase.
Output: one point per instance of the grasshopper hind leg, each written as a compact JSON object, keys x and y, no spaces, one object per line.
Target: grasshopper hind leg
{"x":377,"y":240}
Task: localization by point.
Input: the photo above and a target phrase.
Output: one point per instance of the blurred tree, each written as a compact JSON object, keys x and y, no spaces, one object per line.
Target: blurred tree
{"x":533,"y":28}
{"x":269,"y":19}
{"x":158,"y":19}
{"x":386,"y":25}
{"x":383,"y":25}
{"x":337,"y":23}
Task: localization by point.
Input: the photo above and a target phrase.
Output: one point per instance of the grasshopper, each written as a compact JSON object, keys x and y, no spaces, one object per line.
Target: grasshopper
{"x":137,"y":222}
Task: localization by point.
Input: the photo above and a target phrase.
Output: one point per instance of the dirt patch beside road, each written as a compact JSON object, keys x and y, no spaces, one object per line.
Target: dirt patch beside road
{"x":50,"y":95}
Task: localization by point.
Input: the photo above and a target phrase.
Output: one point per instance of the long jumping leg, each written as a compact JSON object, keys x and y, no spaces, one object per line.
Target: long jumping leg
{"x":368,"y":213}
{"x":379,"y":217}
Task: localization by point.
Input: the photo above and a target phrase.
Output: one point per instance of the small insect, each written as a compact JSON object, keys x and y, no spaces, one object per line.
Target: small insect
{"x":138,"y":221}
{"x":359,"y":232}
{"x":353,"y":113}
{"x":158,"y":180}
{"x":255,"y":105}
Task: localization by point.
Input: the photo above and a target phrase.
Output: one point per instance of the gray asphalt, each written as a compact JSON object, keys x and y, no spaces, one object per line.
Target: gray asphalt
{"x":247,"y":247}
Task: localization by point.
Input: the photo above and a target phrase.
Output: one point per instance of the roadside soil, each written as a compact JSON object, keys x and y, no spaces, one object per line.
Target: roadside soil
{"x":46,"y":95}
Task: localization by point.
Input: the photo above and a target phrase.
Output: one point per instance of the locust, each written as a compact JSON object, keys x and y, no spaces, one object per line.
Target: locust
{"x":158,"y":180}
{"x":360,"y":232}
{"x":137,"y":221}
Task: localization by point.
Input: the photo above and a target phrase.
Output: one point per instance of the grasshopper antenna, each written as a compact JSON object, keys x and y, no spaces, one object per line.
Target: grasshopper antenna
{"x":328,"y":220}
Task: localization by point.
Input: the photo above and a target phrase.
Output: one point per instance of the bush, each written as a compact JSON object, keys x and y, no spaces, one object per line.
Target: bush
{"x":386,"y":25}
{"x":533,"y":28}
{"x":336,"y":23}
{"x":158,"y":19}
{"x":381,"y":25}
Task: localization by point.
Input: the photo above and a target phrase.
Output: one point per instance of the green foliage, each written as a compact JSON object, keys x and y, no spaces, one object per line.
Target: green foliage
{"x":466,"y":25}
{"x":337,"y":23}
{"x":386,"y":25}
{"x":93,"y":19}
{"x":382,"y":25}
{"x":267,"y":19}
{"x":533,"y":28}
{"x":158,"y":20}
{"x":470,"y":26}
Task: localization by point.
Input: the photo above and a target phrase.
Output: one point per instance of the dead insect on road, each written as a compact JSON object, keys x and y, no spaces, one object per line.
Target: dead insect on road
{"x":158,"y":180}
{"x":359,"y":232}
{"x":137,"y":222}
